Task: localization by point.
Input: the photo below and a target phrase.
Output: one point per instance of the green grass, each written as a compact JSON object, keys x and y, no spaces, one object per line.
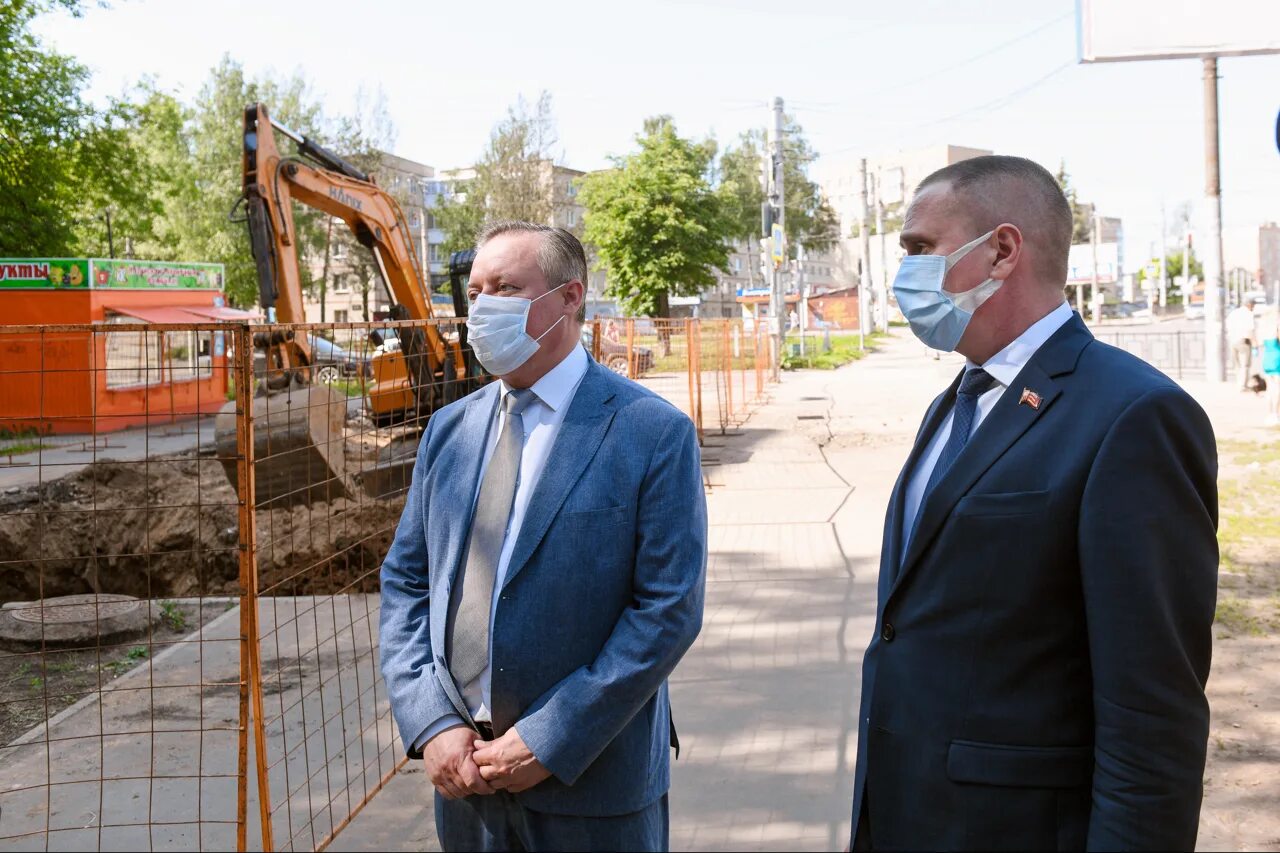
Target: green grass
{"x":172,"y":614}
{"x":350,"y":387}
{"x":21,"y":447}
{"x":1249,"y":452}
{"x":844,"y":350}
{"x":1235,"y":617}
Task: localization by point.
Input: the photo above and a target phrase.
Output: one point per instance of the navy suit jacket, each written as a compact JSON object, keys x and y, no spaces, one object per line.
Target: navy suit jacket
{"x":602,"y":597}
{"x":1036,"y":676}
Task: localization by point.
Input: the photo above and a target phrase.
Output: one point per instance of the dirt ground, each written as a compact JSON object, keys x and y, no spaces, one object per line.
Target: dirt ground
{"x":1242,"y":777}
{"x":35,"y":685}
{"x":160,"y":530}
{"x":170,"y":528}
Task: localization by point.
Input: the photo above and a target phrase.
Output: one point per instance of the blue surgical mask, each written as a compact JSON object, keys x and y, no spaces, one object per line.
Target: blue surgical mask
{"x":939,"y":317}
{"x":496,"y":331}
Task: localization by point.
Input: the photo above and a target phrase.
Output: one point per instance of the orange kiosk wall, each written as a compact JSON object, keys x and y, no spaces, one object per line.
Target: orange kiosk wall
{"x":62,"y":381}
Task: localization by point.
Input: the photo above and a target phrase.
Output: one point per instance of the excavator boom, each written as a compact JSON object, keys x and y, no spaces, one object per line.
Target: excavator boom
{"x":306,"y":458}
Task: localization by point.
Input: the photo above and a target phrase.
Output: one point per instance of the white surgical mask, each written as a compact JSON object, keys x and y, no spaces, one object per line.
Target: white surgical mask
{"x":496,"y":331}
{"x":937,"y":316}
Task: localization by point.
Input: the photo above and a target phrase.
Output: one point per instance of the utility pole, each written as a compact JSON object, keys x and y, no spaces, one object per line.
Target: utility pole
{"x":1093,"y":243}
{"x":802,"y":286}
{"x":777,"y":198}
{"x":1164,"y":251}
{"x":1215,"y":330}
{"x":864,"y":254}
{"x":882,"y":284}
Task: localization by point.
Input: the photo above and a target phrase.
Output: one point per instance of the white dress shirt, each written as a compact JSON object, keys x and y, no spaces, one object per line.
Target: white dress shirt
{"x":553,"y":394}
{"x":1004,"y":367}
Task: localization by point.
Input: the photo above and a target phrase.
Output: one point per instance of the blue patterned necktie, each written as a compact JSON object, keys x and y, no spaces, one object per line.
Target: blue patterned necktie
{"x":975,"y":383}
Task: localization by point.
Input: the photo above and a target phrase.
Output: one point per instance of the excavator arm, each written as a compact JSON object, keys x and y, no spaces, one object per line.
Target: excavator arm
{"x":272,"y":183}
{"x":300,"y":441}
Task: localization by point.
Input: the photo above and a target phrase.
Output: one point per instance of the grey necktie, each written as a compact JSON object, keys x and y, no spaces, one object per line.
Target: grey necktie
{"x":469,"y":650}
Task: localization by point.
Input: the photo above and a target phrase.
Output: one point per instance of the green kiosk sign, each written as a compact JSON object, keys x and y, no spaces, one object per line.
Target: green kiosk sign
{"x":70,"y":273}
{"x":100,"y":274}
{"x":156,"y":275}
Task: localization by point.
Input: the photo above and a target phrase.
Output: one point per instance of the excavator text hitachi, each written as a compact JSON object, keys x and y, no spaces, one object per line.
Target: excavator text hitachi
{"x":299,"y":427}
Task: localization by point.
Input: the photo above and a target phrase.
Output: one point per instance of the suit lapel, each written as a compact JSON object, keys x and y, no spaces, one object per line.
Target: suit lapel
{"x":462,"y":478}
{"x":1003,"y":426}
{"x":891,"y":548}
{"x":581,"y":432}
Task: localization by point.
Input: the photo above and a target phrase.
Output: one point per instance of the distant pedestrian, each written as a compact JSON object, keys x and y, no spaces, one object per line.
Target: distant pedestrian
{"x":1271,"y":366}
{"x":1243,"y":338}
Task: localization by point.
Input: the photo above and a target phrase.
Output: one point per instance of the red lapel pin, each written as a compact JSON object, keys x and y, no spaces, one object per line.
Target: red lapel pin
{"x":1030,"y":398}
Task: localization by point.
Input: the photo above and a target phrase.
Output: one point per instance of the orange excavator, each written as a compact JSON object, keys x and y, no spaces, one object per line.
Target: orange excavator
{"x":300,"y":449}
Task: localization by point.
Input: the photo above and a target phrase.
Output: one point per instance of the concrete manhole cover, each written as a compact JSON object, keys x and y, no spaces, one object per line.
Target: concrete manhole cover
{"x":75,"y":608}
{"x":82,"y":619}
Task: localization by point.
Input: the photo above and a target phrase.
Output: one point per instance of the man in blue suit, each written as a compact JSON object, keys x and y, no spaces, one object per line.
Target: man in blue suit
{"x":546,"y":576}
{"x":1049,"y":569}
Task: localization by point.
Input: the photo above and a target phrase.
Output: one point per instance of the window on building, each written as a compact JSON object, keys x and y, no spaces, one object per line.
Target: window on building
{"x":340,"y":316}
{"x":433,"y":252}
{"x":431,"y":220}
{"x":189,"y":355}
{"x":338,"y":249}
{"x":150,"y":358}
{"x":133,"y":358}
{"x":737,"y":263}
{"x":342,"y":283}
{"x":573,"y":217}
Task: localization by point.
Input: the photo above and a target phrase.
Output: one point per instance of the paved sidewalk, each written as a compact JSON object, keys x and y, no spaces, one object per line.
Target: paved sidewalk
{"x":766,"y":701}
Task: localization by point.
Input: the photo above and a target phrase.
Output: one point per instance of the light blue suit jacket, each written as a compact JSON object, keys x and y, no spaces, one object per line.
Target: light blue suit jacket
{"x":602,"y":597}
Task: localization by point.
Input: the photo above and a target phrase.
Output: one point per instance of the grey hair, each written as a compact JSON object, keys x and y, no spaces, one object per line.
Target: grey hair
{"x":561,"y":257}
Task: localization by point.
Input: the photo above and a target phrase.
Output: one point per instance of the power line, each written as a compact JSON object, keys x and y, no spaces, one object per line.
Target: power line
{"x":972,"y":59}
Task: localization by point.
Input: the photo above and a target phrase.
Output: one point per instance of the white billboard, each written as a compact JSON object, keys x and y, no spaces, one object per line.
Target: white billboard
{"x":1080,"y":263}
{"x":1120,"y":30}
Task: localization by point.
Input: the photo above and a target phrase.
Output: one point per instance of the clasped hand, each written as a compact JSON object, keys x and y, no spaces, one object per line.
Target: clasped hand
{"x":459,"y":764}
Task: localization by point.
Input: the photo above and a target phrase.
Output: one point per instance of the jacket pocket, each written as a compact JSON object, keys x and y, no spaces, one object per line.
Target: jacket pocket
{"x":596,"y":518}
{"x":1019,"y":766}
{"x":1003,"y":503}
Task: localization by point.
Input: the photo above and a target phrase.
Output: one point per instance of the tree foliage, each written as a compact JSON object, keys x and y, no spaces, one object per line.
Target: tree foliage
{"x":655,"y":221}
{"x":1081,"y":215}
{"x":514,"y":177}
{"x":809,"y":218}
{"x":64,"y":163}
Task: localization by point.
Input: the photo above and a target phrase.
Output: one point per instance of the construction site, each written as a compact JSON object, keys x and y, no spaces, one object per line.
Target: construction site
{"x":194,"y":505}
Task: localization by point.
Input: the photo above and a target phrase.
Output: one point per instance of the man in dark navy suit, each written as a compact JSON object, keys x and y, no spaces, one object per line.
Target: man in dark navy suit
{"x":1049,"y":569}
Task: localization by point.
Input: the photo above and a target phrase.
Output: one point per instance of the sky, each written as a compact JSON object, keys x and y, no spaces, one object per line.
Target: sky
{"x":862,"y":78}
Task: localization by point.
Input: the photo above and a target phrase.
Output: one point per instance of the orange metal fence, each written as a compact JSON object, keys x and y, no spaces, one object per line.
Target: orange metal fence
{"x":189,"y":632}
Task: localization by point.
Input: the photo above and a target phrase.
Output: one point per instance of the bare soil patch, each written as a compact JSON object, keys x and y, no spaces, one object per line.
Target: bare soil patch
{"x":1242,"y":776}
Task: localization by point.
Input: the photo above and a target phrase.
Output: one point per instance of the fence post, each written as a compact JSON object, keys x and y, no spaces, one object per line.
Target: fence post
{"x":1178,"y":341}
{"x":631,"y":348}
{"x":728,"y":370}
{"x":698,"y":373}
{"x":689,"y":368}
{"x":250,"y":665}
{"x":595,"y":339}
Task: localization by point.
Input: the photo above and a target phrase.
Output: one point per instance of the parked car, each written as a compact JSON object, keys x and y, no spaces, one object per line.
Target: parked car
{"x":334,"y":363}
{"x":613,"y":355}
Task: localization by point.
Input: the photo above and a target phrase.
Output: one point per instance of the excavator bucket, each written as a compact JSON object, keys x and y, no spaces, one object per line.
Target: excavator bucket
{"x":298,"y":446}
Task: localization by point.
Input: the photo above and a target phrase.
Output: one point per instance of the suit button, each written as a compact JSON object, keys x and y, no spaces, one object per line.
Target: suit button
{"x":887,"y":632}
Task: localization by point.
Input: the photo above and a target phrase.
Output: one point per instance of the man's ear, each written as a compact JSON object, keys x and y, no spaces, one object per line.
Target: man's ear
{"x":575,"y":294}
{"x":1008,"y":250}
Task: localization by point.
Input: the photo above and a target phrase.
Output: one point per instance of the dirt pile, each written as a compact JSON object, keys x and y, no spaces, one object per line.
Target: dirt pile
{"x":170,"y":528}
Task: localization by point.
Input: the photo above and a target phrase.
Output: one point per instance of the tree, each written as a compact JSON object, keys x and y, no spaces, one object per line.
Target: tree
{"x":214,"y":142}
{"x":656,"y":224}
{"x":1081,"y":214}
{"x":513,"y":179}
{"x":63,"y":162}
{"x":809,"y":218}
